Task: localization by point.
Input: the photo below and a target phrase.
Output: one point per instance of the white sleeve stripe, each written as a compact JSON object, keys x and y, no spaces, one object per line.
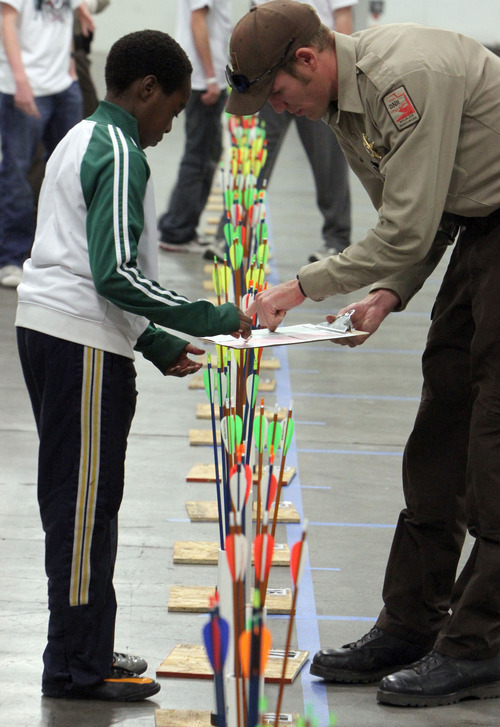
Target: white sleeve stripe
{"x":131,"y":273}
{"x":125,"y":176}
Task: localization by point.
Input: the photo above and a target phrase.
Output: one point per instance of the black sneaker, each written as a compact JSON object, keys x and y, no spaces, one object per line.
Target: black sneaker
{"x":120,"y":686}
{"x":129,"y":662}
{"x":374,"y":656}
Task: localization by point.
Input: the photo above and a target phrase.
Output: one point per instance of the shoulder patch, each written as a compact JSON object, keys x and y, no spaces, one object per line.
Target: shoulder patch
{"x":401,"y":108}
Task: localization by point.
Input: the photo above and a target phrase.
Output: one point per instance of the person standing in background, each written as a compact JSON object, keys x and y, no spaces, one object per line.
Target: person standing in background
{"x":39,"y":102}
{"x":81,"y":54}
{"x":328,"y":164}
{"x":203,"y":30}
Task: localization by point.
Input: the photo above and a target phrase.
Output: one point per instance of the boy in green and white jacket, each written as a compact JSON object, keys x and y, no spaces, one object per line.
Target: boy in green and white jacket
{"x":88,"y":299}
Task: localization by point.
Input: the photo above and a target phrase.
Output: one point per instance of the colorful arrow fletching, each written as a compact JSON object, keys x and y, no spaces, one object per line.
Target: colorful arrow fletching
{"x":298,"y":557}
{"x":287,"y":435}
{"x":208,"y":383}
{"x":274,"y":433}
{"x":216,"y":639}
{"x":260,"y":426}
{"x":263,"y":555}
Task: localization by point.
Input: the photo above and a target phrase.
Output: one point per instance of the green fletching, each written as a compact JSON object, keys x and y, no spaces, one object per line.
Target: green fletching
{"x":260,"y":431}
{"x":236,"y":255}
{"x":252,"y":389}
{"x":208,"y":384}
{"x":261,"y":232}
{"x":274,"y":433}
{"x":229,"y":233}
{"x":235,"y":428}
{"x":216,"y":279}
{"x":288,"y":436}
{"x":262,"y":254}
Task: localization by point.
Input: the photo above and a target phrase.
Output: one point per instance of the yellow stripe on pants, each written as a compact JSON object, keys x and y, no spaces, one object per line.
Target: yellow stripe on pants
{"x":88,"y":475}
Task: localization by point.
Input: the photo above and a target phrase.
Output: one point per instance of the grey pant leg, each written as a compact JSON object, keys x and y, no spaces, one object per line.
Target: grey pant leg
{"x":330,"y":171}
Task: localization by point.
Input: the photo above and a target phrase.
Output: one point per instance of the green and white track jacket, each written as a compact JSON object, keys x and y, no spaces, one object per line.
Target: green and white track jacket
{"x":92,"y":271}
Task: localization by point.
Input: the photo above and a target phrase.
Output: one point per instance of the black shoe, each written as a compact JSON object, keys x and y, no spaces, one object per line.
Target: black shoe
{"x":129,"y":662}
{"x":437,"y":680}
{"x":376,"y":654}
{"x":120,"y":686}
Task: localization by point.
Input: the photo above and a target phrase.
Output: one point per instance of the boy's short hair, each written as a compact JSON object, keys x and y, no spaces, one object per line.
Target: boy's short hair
{"x":144,"y":53}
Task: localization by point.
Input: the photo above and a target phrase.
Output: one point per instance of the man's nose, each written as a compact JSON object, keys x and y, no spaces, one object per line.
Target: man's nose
{"x":278,"y":106}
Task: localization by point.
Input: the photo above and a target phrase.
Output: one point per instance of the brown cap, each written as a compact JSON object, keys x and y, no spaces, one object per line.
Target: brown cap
{"x":264,"y":39}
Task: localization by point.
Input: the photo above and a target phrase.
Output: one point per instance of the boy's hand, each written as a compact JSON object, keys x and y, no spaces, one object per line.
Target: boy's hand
{"x":245,"y":329}
{"x":183,"y":365}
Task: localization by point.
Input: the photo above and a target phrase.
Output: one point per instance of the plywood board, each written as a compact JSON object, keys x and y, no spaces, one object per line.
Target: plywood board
{"x":196,"y":599}
{"x":196,"y":382}
{"x":194,"y":718}
{"x":182,"y":718}
{"x":190,"y":661}
{"x":206,"y":473}
{"x":189,"y":552}
{"x":206,"y":511}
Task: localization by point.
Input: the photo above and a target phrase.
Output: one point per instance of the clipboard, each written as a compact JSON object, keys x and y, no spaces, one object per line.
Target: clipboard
{"x":341,"y":327}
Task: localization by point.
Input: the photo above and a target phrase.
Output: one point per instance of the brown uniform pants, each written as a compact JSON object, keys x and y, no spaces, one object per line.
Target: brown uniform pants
{"x":451,"y":466}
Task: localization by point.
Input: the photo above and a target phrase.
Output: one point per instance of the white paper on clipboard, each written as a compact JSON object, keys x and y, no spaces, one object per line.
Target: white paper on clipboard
{"x":285,"y":336}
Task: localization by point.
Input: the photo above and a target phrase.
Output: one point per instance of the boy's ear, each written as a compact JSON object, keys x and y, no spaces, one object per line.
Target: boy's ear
{"x":149,"y":85}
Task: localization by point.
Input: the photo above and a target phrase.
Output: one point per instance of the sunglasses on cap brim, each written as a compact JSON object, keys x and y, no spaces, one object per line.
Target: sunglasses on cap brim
{"x":241,"y":83}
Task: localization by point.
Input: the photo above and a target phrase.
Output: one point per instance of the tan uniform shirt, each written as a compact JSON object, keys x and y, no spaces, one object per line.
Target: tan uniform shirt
{"x":418,"y":118}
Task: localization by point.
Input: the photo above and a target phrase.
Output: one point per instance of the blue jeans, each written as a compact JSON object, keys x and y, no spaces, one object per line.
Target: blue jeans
{"x":21,"y":135}
{"x":202,"y":153}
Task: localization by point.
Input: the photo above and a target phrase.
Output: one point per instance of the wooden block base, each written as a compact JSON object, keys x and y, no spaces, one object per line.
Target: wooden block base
{"x":206,"y":473}
{"x":190,"y":661}
{"x":206,"y":511}
{"x":193,"y":718}
{"x":196,"y":599}
{"x":188,"y":552}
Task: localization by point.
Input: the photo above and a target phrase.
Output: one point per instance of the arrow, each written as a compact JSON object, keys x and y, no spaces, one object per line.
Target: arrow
{"x":298,"y":558}
{"x":237,"y":556}
{"x":255,"y":644}
{"x":285,"y":442}
{"x":216,"y":639}
{"x":259,"y":434}
{"x":208,"y":382}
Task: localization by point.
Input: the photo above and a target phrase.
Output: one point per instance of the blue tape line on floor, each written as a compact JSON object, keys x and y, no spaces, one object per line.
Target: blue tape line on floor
{"x":314,"y":691}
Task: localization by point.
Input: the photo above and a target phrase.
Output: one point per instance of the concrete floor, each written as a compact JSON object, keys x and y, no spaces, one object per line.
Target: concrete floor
{"x":353,"y":410}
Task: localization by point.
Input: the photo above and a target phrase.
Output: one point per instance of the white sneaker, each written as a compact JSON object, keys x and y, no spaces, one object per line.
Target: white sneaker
{"x":11,"y":276}
{"x":193,"y":246}
{"x":326,"y":252}
{"x":217,"y":249}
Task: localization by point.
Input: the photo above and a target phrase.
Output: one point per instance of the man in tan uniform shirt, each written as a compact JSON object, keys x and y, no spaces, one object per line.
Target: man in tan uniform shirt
{"x":417,"y":113}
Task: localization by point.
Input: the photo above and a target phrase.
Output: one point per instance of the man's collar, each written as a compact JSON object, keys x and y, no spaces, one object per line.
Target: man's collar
{"x":348,"y":94}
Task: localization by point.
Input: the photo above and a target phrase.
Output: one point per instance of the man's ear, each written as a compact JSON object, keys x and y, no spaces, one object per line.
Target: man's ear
{"x":307,"y":57}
